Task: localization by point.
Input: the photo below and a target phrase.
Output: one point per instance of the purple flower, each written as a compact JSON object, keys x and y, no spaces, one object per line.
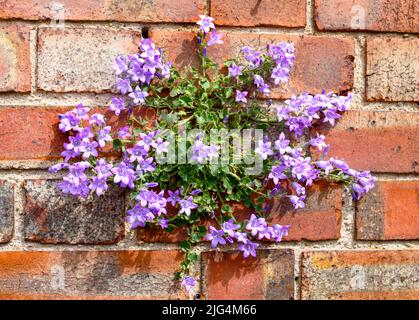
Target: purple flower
{"x":301,"y":167}
{"x":186,"y":205}
{"x":216,"y":237}
{"x":282,"y":144}
{"x":325,"y":165}
{"x":69,"y":121}
{"x":195,"y":192}
{"x":137,"y":153}
{"x":201,"y":152}
{"x":230,"y":227}
{"x":124,"y":86}
{"x":117,"y":105}
{"x":103,"y":136}
{"x":248,"y":248}
{"x":277,"y":173}
{"x":188,"y":283}
{"x":163,"y":223}
{"x":205,"y":24}
{"x":138,"y":96}
{"x":215,"y":38}
{"x":124,"y":133}
{"x":264,"y":149}
{"x":124,"y":175}
{"x":174,"y":197}
{"x":301,"y":191}
{"x":98,"y":185}
{"x":103,"y":169}
{"x":145,"y":165}
{"x":120,"y":65}
{"x":89,"y":149}
{"x":318,"y":142}
{"x":241,"y":96}
{"x":241,"y":237}
{"x":330,"y":115}
{"x":235,"y":70}
{"x":278,"y":232}
{"x":255,"y":225}
{"x":297,"y":201}
{"x":161,"y":146}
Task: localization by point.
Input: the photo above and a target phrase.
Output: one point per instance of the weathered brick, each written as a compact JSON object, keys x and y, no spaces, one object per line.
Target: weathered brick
{"x":229,"y":276}
{"x":320,"y":219}
{"x":360,"y":275}
{"x":392,"y":69}
{"x":251,"y":13}
{"x":321,"y":62}
{"x":380,"y":141}
{"x":389,"y":212}
{"x":371,"y":15}
{"x":89,"y":275}
{"x":32,"y":132}
{"x":15,"y":65}
{"x":51,"y":217}
{"x":6,"y":211}
{"x":104,"y":10}
{"x":81,"y":59}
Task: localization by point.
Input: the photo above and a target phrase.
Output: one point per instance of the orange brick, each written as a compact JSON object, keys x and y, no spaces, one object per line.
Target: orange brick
{"x":389,"y":212}
{"x":371,"y":15}
{"x":380,"y":141}
{"x":321,"y":62}
{"x":392,"y":69}
{"x":81,"y":59}
{"x":360,"y":275}
{"x":229,"y":276}
{"x":15,"y":65}
{"x":103,"y":10}
{"x":89,"y":275}
{"x":251,"y":13}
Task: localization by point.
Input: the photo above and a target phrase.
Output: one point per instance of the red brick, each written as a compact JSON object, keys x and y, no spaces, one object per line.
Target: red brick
{"x":51,"y":217}
{"x":374,"y":15}
{"x":389,"y":212}
{"x":6,"y":211}
{"x":392,"y":69}
{"x":380,"y":141}
{"x":360,"y":275}
{"x":15,"y":65}
{"x":89,"y":275}
{"x":229,"y":276}
{"x":80,"y":60}
{"x":32,"y":132}
{"x":251,"y":13}
{"x":321,"y":62}
{"x":103,"y":10}
{"x":320,"y":219}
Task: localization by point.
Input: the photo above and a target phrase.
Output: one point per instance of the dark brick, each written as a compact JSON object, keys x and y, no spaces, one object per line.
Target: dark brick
{"x":51,"y":217}
{"x":6,"y":211}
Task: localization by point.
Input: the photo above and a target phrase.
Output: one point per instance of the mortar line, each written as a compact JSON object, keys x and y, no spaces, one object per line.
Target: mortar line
{"x":310,"y":28}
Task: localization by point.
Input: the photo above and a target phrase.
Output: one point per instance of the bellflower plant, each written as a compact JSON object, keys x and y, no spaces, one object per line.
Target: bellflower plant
{"x":178,"y":171}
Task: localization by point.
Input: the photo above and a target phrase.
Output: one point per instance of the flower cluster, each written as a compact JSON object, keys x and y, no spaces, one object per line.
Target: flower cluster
{"x":194,"y":194}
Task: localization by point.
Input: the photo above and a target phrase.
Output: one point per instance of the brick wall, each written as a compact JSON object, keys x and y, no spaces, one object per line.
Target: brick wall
{"x":57,"y":247}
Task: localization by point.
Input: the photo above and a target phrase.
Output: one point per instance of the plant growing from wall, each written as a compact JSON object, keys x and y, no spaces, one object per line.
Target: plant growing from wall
{"x":179,"y":171}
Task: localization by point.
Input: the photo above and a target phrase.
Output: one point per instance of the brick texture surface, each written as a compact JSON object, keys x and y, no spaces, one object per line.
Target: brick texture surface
{"x":281,"y":13}
{"x":15,"y":65}
{"x":51,"y":217}
{"x":229,"y":276}
{"x":373,"y":15}
{"x":89,"y":275}
{"x":389,"y":212}
{"x":321,"y":62}
{"x":380,"y":141}
{"x":6,"y":211}
{"x":103,"y":10}
{"x":393,"y":69}
{"x":319,"y":220}
{"x":360,"y":275}
{"x":81,"y":59}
